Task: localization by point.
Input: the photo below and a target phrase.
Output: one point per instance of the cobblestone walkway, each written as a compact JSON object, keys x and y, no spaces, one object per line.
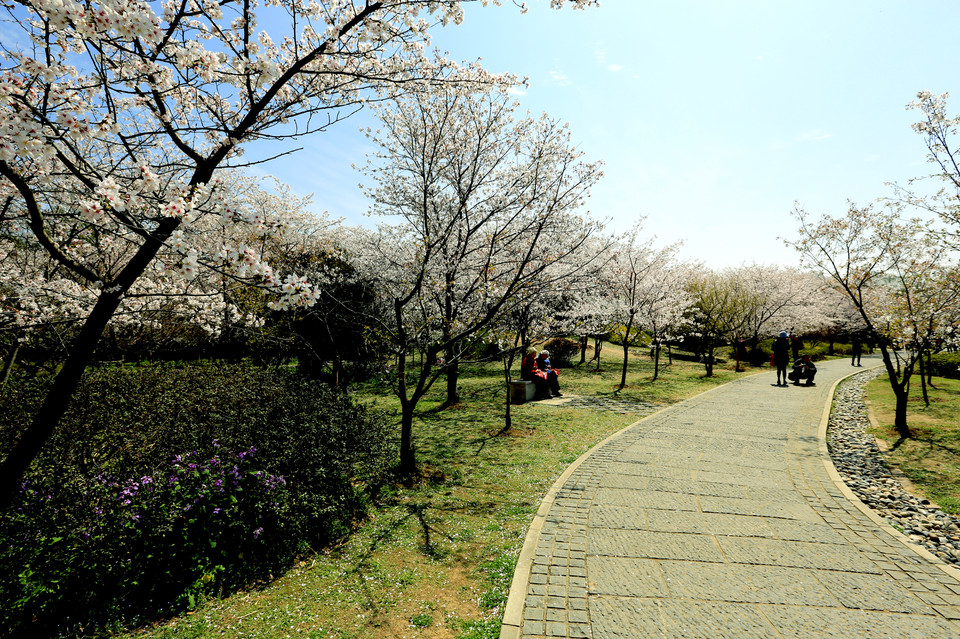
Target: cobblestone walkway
{"x":722,"y":516}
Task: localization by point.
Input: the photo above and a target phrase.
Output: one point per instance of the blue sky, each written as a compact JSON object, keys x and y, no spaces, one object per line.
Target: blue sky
{"x":712,"y":117}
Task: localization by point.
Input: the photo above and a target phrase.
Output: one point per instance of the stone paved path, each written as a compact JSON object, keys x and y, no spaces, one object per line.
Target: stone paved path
{"x":720,"y":517}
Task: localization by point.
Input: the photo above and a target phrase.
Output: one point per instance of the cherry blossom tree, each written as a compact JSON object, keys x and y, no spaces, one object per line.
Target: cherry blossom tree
{"x":117,"y":117}
{"x":720,"y":312}
{"x":486,"y":204}
{"x":775,"y":296}
{"x":902,"y":280}
{"x":642,"y":280}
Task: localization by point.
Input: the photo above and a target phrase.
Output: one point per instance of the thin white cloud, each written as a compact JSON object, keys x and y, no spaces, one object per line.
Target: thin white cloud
{"x":813,"y":136}
{"x":614,"y":67}
{"x":559,"y":77}
{"x":516,"y":91}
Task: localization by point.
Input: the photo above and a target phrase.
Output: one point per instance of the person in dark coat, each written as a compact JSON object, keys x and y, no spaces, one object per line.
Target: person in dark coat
{"x":781,"y":356}
{"x":803,"y":368}
{"x":795,"y":345}
{"x":856,"y":347}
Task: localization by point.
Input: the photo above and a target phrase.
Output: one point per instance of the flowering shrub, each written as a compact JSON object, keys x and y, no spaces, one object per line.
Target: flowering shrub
{"x":193,"y":482}
{"x":92,"y":550}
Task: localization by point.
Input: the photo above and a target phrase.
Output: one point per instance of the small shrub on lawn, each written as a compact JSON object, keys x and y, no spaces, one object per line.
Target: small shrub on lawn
{"x":167,"y":485}
{"x":945,"y":365}
{"x":562,"y":351}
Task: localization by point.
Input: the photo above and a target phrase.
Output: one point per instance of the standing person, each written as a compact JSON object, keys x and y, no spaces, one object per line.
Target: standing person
{"x":795,"y":345}
{"x":856,"y":348}
{"x":781,"y":357}
{"x":553,"y":383}
{"x":530,"y":372}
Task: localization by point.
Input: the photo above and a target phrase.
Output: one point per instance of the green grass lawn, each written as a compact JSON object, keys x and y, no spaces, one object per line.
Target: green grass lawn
{"x":436,"y":561}
{"x":931,"y":460}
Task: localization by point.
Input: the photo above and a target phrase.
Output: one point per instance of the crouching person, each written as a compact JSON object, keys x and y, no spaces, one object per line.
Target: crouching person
{"x":803,"y":369}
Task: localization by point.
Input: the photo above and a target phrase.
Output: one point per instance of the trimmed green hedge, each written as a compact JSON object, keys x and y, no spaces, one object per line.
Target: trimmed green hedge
{"x":945,"y":365}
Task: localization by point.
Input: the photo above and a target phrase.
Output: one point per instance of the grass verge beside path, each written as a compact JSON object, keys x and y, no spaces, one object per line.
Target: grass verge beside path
{"x":436,"y":561}
{"x":931,"y":460}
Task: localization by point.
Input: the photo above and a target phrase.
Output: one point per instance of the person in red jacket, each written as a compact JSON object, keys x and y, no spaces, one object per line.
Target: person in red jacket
{"x":531,"y":372}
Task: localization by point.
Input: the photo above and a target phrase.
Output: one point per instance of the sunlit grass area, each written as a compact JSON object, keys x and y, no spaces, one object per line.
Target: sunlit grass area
{"x":931,"y":460}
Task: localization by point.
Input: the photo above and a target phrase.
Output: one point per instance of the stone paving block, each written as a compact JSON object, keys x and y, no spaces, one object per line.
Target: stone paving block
{"x":768,"y":494}
{"x":745,"y":477}
{"x":798,"y":511}
{"x":629,"y":482}
{"x":652,"y":545}
{"x":627,"y":577}
{"x":812,"y":531}
{"x":871,"y":592}
{"x":741,"y":583}
{"x":635,"y":468}
{"x":838,"y":623}
{"x":667,"y":619}
{"x":833,"y":557}
{"x":697,"y":487}
{"x":608,"y":516}
{"x":708,"y":523}
{"x":646,"y":499}
{"x":949,"y":612}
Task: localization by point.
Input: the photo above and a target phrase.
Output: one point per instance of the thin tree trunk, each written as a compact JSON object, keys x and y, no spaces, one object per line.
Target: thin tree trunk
{"x":923,"y":381}
{"x":626,"y":353}
{"x":656,"y":360}
{"x":408,"y":457}
{"x":9,"y":362}
{"x":453,"y":379}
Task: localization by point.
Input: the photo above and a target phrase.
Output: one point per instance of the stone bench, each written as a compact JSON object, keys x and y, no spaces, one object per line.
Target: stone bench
{"x":522,"y":391}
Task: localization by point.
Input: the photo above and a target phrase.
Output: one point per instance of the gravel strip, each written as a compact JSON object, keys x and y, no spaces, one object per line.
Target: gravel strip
{"x":859,"y":462}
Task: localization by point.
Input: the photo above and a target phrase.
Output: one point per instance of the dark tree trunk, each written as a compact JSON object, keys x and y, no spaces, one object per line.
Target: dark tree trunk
{"x":656,"y":360}
{"x":9,"y":362}
{"x":708,"y":359}
{"x":923,"y":380}
{"x":57,"y":401}
{"x":67,"y":380}
{"x":452,"y":369}
{"x":626,"y":353}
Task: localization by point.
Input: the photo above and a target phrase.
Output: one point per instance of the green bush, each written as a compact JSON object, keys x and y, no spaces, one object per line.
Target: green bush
{"x":945,"y":365}
{"x":562,"y":351}
{"x":164,"y":485}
